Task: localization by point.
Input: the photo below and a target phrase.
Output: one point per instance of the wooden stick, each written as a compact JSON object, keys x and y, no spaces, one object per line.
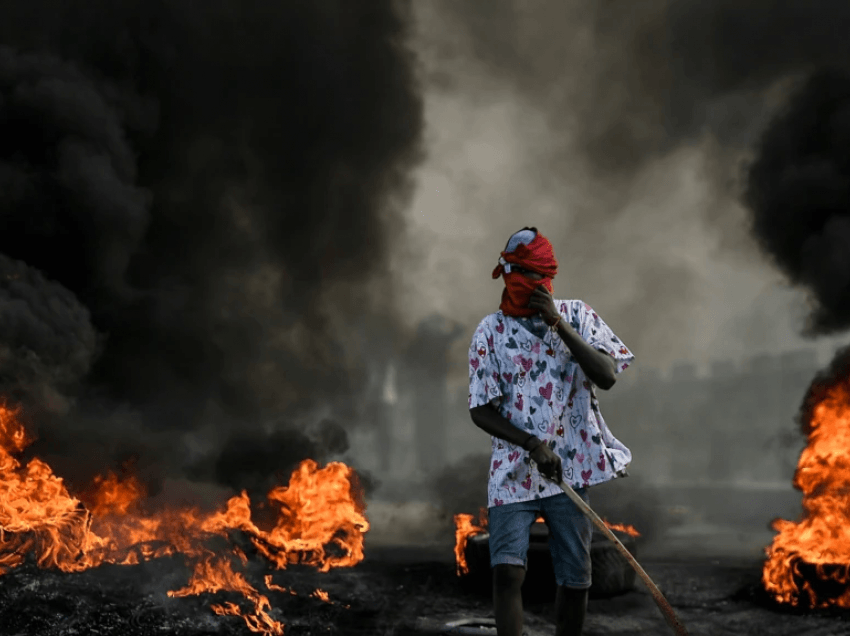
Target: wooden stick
{"x":669,"y":615}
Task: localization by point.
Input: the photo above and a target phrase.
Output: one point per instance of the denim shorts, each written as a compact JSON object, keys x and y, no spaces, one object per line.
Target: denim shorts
{"x":570,"y":532}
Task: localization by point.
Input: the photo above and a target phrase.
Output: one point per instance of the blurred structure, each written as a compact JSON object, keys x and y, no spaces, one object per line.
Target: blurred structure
{"x":721,"y":441}
{"x":426,"y":370}
{"x":734,"y":424}
{"x":379,"y":412}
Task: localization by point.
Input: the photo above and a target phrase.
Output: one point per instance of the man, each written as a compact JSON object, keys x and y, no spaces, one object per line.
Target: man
{"x":533,"y":371}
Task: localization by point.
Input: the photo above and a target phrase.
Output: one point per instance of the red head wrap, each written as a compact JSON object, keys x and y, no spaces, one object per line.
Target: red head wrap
{"x":538,"y":256}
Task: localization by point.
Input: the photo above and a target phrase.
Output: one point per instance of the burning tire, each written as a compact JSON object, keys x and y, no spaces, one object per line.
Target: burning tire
{"x":611,"y":573}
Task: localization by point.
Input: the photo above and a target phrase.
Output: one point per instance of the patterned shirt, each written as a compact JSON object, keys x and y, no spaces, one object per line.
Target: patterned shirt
{"x":538,"y":386}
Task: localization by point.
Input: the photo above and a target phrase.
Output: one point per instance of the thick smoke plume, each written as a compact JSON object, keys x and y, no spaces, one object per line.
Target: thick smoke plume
{"x":48,"y":342}
{"x":204,"y":195}
{"x":799,"y":194}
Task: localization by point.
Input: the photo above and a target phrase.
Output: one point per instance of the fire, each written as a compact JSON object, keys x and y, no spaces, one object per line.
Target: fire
{"x":466,"y":528}
{"x":320,"y":522}
{"x":321,"y":595}
{"x":315,"y":514}
{"x":111,"y":496}
{"x":808,"y":562}
{"x":277,"y":588}
{"x":622,"y":527}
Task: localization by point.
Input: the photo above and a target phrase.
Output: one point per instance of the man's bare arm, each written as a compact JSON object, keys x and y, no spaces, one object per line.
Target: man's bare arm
{"x":489,"y":420}
{"x":597,"y":365}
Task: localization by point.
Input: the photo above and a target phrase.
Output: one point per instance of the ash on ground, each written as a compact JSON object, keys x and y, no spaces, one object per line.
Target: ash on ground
{"x":398,"y":591}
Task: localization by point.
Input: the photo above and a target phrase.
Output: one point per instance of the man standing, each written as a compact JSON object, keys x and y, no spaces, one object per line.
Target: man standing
{"x":533,"y":371}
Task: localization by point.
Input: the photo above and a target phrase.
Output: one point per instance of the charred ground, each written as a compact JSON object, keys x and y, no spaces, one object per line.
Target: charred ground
{"x":394,"y":591}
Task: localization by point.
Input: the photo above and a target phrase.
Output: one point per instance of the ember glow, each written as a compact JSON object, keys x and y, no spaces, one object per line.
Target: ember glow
{"x":320,"y":523}
{"x":466,"y":527}
{"x":809,"y":560}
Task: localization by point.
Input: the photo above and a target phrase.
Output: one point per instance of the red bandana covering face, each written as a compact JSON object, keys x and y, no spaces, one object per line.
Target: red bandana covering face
{"x":538,"y":256}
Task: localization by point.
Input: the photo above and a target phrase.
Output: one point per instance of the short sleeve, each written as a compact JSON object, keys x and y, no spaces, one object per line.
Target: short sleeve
{"x":598,"y":335}
{"x":484,"y":381}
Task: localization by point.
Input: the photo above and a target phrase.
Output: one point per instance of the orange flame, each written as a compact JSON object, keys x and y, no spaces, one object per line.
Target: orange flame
{"x":808,"y":562}
{"x":321,"y":522}
{"x":315,"y":514}
{"x":277,"y":588}
{"x":622,"y":527}
{"x":111,"y":496}
{"x":321,"y":595}
{"x":465,"y":528}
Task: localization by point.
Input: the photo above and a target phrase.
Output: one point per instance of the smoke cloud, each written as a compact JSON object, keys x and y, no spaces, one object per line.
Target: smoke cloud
{"x":209,"y":192}
{"x":799,"y":194}
{"x":662,"y":72}
{"x":620,"y":132}
{"x":625,"y":133}
{"x":212,"y":207}
{"x":48,"y":340}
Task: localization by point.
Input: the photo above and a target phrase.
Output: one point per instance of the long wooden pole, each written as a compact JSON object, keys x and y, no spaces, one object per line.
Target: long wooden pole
{"x":665,"y":607}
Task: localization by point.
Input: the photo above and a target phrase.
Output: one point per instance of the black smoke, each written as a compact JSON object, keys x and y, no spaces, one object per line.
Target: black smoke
{"x":461,"y":487}
{"x":48,"y":342}
{"x":209,"y":191}
{"x":798,"y":192}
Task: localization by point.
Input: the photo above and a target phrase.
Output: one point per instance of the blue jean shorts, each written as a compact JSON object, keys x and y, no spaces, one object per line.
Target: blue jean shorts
{"x":570,"y":532}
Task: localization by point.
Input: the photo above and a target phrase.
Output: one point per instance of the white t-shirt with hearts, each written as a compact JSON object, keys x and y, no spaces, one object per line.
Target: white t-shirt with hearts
{"x":537,"y":384}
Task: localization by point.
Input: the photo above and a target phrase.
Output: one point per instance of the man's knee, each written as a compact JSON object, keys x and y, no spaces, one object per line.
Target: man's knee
{"x":508,"y":577}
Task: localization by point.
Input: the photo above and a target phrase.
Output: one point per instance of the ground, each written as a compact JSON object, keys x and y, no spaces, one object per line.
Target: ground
{"x":396,"y":591}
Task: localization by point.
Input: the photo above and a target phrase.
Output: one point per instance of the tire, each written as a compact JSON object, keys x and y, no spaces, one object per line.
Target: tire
{"x":477,"y":554}
{"x":611,"y":574}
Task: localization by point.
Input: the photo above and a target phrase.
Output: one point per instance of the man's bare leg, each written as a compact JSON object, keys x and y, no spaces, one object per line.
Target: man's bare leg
{"x":570,"y":609}
{"x":507,"y":598}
